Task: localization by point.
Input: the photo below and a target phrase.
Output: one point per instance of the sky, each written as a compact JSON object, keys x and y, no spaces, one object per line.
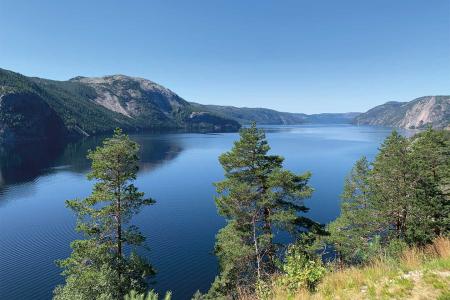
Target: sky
{"x":298,"y":56}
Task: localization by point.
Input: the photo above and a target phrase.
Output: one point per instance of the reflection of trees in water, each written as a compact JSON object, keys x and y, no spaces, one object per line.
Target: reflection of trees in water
{"x":25,"y":162}
{"x":155,"y":151}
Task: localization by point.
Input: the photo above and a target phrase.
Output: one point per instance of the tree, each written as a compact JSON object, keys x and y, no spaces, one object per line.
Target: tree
{"x":404,"y":199}
{"x":359,"y":224}
{"x":431,"y":163}
{"x":98,"y":265}
{"x":257,"y":198}
{"x":393,"y":181}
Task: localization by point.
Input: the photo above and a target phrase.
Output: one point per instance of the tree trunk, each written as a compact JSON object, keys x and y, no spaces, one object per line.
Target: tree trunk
{"x":119,"y":235}
{"x":268,"y":231}
{"x":258,"y":258}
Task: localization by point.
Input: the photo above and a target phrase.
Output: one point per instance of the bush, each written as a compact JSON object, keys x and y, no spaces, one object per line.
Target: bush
{"x":300,"y":271}
{"x":151,"y":295}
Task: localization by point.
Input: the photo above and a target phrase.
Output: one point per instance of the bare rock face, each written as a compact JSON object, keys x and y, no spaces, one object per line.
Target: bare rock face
{"x":419,"y":113}
{"x":131,"y":96}
{"x":427,"y":110}
{"x":26,"y":116}
{"x":149,"y":104}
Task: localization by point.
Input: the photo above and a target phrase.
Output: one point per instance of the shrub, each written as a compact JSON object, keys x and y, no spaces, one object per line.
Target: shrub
{"x":151,"y":295}
{"x":300,"y":271}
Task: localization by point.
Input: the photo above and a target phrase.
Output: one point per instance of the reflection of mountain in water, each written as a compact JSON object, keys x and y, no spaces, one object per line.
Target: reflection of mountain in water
{"x":157,"y":150}
{"x":26,"y":162}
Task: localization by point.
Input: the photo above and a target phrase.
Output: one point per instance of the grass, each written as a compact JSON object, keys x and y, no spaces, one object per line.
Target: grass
{"x":418,"y":274}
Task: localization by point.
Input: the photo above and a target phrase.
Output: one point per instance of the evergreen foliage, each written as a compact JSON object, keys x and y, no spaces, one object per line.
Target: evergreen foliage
{"x":402,"y":198}
{"x":151,"y":295}
{"x":98,"y":267}
{"x":258,"y":198}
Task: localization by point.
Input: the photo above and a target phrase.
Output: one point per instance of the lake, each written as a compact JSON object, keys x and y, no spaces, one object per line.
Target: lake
{"x":178,"y":171}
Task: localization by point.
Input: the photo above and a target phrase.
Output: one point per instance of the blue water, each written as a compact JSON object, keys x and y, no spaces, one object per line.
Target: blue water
{"x":178,"y":171}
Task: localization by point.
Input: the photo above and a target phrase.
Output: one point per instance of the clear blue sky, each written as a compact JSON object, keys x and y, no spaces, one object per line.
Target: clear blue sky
{"x":300,"y":56}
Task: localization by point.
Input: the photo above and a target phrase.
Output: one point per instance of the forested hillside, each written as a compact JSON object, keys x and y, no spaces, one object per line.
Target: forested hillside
{"x":87,"y":107}
{"x":247,"y":115}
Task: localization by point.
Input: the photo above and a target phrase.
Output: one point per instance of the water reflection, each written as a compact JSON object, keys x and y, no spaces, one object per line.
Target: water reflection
{"x":24,"y":163}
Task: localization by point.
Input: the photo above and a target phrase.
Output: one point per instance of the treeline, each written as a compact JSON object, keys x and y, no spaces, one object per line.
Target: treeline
{"x":400,"y":199}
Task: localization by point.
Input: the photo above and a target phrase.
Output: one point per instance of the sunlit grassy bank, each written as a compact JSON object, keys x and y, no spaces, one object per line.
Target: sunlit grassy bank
{"x":417,"y":274}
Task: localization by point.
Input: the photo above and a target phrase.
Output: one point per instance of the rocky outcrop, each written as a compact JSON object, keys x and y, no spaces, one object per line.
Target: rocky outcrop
{"x":133,"y":97}
{"x":419,"y":113}
{"x":146,"y":101}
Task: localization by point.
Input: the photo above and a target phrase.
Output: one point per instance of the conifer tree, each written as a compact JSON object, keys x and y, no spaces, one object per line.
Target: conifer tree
{"x":431,"y":162}
{"x":98,"y":266}
{"x":403,"y":199}
{"x":358,"y":222}
{"x":393,"y":181}
{"x":257,"y":198}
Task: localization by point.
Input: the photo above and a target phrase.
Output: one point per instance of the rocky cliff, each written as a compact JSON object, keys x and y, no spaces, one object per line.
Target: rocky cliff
{"x":418,"y":113}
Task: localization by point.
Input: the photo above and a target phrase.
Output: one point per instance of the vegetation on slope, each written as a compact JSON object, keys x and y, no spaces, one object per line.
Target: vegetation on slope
{"x":70,"y":102}
{"x":401,"y":200}
{"x":78,"y":104}
{"x":416,"y":273}
{"x":246,"y":115}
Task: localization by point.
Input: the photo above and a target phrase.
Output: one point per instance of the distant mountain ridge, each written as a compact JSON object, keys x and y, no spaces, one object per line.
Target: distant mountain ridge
{"x":265,"y":116}
{"x":418,"y":113}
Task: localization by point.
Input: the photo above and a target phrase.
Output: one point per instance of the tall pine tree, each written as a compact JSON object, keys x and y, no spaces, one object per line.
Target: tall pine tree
{"x":98,"y":267}
{"x":258,"y":198}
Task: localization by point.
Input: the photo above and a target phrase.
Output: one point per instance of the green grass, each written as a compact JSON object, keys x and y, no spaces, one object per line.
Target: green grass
{"x":417,"y":274}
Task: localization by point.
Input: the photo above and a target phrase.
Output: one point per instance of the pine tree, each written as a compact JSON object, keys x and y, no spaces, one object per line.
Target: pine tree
{"x":257,"y":198}
{"x":431,"y":163}
{"x":358,"y":223}
{"x":98,"y":266}
{"x":393,"y":181}
{"x":403,"y":199}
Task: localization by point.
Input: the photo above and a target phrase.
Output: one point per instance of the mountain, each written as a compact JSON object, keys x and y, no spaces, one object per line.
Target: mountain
{"x":332,"y":118}
{"x":264,"y":116}
{"x":36,"y":108}
{"x":418,"y":113}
